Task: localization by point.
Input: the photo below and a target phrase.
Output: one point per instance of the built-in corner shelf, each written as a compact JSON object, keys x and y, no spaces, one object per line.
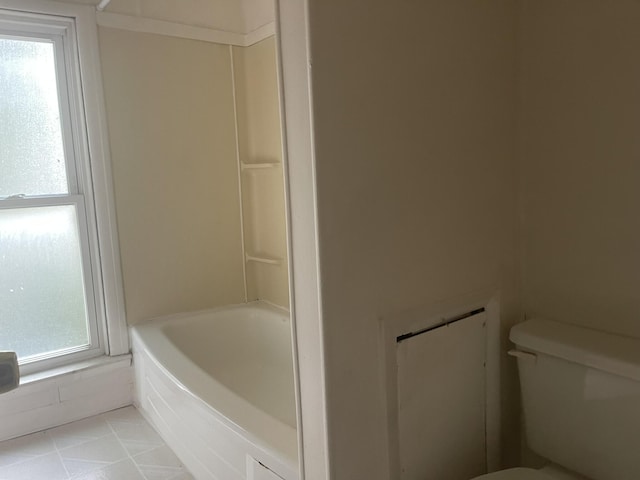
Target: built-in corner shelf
{"x":263,"y":258}
{"x":258,"y":165}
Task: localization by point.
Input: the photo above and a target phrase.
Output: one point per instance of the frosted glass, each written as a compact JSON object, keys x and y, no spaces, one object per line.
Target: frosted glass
{"x":42,"y":298}
{"x":31,"y":155}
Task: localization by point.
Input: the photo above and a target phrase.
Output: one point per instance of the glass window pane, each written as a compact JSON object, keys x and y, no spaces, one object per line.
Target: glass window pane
{"x":42,"y":297}
{"x":31,"y":155}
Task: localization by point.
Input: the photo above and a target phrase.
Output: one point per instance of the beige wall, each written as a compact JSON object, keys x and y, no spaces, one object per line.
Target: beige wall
{"x":257,"y":97}
{"x":260,"y":141}
{"x":580,"y":150}
{"x":171,"y":124}
{"x":414,"y":114}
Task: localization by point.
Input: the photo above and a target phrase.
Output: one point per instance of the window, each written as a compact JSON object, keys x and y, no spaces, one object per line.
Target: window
{"x":60,"y":295}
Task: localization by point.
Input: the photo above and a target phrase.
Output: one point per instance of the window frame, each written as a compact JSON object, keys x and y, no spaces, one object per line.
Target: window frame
{"x":72,"y":30}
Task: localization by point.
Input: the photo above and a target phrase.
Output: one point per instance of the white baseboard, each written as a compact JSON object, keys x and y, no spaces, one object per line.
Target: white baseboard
{"x":67,"y":397}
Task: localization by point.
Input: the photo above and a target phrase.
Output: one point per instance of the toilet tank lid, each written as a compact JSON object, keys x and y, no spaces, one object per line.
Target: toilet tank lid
{"x":600,"y":350}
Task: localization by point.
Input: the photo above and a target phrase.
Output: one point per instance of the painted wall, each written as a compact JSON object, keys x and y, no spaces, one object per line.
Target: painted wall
{"x":173,"y":142}
{"x":579,"y":149}
{"x":414,"y":124}
{"x":260,"y":142}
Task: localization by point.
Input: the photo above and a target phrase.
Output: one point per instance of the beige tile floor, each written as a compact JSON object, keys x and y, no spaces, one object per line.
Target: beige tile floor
{"x":118,"y":445}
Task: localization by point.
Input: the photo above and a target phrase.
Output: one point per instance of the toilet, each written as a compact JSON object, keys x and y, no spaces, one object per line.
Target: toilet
{"x":580,"y":400}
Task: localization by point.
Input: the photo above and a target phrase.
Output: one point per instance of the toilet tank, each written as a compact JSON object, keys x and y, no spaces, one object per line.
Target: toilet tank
{"x":581,"y":397}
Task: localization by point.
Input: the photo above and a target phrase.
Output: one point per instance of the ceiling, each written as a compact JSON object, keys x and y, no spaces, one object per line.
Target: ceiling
{"x":238,"y":16}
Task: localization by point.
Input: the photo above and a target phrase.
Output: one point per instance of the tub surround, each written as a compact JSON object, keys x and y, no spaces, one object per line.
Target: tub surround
{"x":170,"y":113}
{"x":189,"y":239}
{"x":261,"y":172}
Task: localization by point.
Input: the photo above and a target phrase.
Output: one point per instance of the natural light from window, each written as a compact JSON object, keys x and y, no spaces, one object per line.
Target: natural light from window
{"x":42,"y":301}
{"x":43,"y":305}
{"x":32,"y":154}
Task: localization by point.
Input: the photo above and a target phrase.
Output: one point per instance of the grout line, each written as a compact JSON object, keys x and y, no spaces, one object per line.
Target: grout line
{"x":135,"y":464}
{"x":61,"y":460}
{"x":129,"y":456}
{"x":84,"y":440}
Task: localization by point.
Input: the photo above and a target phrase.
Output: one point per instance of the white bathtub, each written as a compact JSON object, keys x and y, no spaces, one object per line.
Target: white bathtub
{"x":218,"y":386}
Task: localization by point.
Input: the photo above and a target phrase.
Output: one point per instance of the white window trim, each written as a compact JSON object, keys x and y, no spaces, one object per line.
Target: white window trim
{"x":112,"y":320}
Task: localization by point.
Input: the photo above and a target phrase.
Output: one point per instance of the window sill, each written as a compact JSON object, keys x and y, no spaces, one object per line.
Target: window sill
{"x":101,"y":364}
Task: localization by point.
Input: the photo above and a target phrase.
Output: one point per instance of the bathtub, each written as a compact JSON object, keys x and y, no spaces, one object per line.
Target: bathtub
{"x":218,"y":387}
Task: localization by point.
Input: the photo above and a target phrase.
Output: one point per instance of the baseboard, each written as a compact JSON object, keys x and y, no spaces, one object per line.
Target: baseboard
{"x":64,"y":398}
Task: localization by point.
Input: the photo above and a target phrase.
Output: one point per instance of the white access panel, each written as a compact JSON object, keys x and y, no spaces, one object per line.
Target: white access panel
{"x":442,"y":402}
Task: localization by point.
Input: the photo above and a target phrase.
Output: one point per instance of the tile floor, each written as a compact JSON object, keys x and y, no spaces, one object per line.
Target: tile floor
{"x":118,"y":445}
